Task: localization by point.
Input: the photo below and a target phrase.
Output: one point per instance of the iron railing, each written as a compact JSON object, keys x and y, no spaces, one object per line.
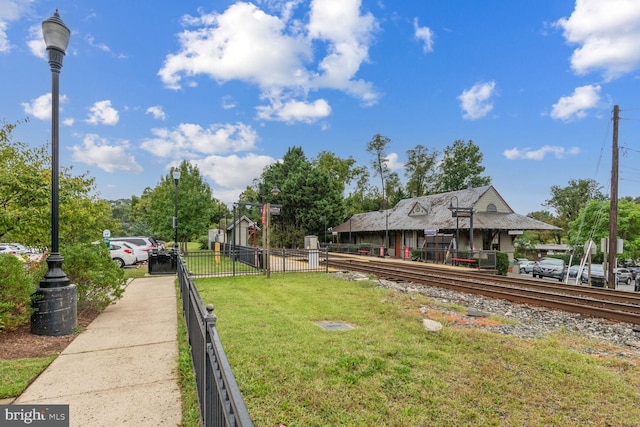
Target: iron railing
{"x":220,"y":400}
{"x":236,"y":260}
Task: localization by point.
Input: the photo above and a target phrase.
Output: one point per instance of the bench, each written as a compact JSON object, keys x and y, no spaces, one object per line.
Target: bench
{"x":464,"y":261}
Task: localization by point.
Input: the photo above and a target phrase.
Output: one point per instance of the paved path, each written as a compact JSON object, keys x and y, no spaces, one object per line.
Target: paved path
{"x":123,"y":369}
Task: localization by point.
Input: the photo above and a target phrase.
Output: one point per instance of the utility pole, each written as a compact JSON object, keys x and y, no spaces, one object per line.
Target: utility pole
{"x":613,"y":207}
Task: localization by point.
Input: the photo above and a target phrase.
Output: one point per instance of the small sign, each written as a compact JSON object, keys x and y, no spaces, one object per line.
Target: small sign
{"x":106,"y":233}
{"x":515,"y":232}
{"x":430,"y":232}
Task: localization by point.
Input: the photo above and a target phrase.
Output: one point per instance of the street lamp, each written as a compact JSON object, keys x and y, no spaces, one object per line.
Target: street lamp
{"x":176,"y":179}
{"x":457,"y":212}
{"x":55,"y":300}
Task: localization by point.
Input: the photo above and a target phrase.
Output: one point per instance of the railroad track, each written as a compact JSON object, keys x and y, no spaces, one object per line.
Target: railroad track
{"x":596,"y":302}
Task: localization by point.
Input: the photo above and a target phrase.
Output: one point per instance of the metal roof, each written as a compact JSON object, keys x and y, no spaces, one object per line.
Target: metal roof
{"x":432,"y":212}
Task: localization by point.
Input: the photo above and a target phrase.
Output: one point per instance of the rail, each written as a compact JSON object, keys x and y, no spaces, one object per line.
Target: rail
{"x":220,"y":400}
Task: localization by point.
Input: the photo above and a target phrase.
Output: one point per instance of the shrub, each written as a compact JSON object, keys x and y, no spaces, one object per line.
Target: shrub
{"x":98,"y":278}
{"x":502,"y":263}
{"x":16,"y":286}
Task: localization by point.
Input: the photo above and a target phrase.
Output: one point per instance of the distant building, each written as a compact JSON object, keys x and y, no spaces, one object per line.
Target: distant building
{"x":414,"y":223}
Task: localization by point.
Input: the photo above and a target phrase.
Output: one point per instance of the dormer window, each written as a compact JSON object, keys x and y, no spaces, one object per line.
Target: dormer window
{"x":491,"y":208}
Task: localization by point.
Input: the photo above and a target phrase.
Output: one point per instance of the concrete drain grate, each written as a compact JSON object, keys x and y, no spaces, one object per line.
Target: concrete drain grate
{"x":334,"y":326}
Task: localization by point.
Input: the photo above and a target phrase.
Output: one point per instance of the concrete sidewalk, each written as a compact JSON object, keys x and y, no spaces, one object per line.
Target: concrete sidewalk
{"x":123,"y":369}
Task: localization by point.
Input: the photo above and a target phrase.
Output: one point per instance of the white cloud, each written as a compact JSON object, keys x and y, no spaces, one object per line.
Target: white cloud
{"x":97,"y":151}
{"x":233,"y":172}
{"x":424,"y":35}
{"x":295,"y":111}
{"x":276,"y":53}
{"x":10,"y":11}
{"x":190,"y":141}
{"x":608,"y":33}
{"x":393,"y":163}
{"x":475,"y":102}
{"x":540,"y":153}
{"x":157,"y":112}
{"x":40,"y":108}
{"x":100,"y":46}
{"x":36,"y":43}
{"x":69,"y":121}
{"x":102,"y":113}
{"x":347,"y":45}
{"x":574,"y":106}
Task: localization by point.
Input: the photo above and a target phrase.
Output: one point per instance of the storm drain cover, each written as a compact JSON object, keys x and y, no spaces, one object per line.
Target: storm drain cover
{"x":334,"y":326}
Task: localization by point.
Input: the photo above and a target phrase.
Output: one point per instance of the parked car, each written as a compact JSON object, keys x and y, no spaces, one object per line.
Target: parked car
{"x":634,"y":269}
{"x":122,"y":255}
{"x":141,"y":254}
{"x":574,"y":271}
{"x":146,"y":243}
{"x":525,"y":266}
{"x":597,"y":275}
{"x":8,"y":249}
{"x":550,"y":267}
{"x":623,"y":276}
{"x":20,"y":249}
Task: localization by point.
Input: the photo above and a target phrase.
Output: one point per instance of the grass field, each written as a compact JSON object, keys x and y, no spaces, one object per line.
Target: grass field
{"x":389,"y":371}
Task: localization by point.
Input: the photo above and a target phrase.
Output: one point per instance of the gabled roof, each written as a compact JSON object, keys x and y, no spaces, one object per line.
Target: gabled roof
{"x":432,"y":212}
{"x":242,"y":219}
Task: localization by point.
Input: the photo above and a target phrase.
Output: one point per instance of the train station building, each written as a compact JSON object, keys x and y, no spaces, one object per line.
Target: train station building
{"x":452,"y":220}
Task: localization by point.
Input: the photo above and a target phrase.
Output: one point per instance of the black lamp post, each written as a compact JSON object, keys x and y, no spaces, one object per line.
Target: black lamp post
{"x":55,"y":300}
{"x":457,"y":212}
{"x":176,"y":179}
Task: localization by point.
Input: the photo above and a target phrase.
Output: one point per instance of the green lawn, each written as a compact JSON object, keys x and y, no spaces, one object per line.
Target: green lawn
{"x":389,"y":371}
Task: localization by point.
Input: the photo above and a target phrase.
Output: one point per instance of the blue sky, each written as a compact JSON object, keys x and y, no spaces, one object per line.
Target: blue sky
{"x":231,"y":85}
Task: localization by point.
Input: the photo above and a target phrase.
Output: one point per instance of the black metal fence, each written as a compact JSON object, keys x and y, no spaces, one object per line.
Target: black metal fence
{"x":236,"y":260}
{"x":220,"y":400}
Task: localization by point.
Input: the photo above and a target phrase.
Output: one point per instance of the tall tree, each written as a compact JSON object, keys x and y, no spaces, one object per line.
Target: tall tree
{"x":596,"y":215}
{"x":421,"y":171}
{"x":25,"y":198}
{"x":568,"y":201}
{"x":377,"y":147}
{"x":196,"y":206}
{"x":461,"y":167}
{"x":310,"y":197}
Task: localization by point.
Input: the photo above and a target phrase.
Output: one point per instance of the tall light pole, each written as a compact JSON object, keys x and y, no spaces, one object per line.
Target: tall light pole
{"x":176,"y":180}
{"x":55,"y":300}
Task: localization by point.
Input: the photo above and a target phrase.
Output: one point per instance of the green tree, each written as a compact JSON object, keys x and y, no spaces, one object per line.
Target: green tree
{"x":197,"y":209}
{"x":461,"y":168}
{"x":25,"y":198}
{"x":544,"y":236}
{"x":421,"y":171}
{"x":568,"y":201}
{"x":378,"y":147}
{"x":593,"y":223}
{"x":309,"y":195}
{"x":364,"y":197}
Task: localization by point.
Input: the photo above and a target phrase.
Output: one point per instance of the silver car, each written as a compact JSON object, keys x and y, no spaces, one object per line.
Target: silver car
{"x":550,"y":267}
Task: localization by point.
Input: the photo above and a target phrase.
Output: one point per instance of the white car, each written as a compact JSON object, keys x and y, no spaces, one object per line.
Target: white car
{"x":122,"y":255}
{"x":141,"y":254}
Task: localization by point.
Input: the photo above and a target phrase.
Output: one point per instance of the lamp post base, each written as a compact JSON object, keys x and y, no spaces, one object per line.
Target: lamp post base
{"x":56,"y":311}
